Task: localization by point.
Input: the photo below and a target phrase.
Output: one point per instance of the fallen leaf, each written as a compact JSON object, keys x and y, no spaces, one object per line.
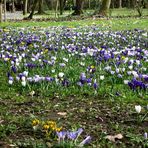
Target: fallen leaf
{"x":62,"y":113}
{"x":119,"y":136}
{"x":1,"y":121}
{"x":113,"y":138}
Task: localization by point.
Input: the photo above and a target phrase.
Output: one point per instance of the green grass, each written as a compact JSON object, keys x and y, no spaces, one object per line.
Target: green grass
{"x":112,"y":24}
{"x":126,"y":12}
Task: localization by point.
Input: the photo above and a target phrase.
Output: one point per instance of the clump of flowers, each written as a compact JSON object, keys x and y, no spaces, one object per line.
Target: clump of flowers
{"x":70,"y":138}
{"x":134,"y":84}
{"x":65,"y":138}
{"x":35,"y":123}
{"x":48,"y":127}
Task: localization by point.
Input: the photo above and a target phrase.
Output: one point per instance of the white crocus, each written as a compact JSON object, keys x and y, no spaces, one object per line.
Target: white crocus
{"x":66,"y":60}
{"x":117,"y":70}
{"x":135,"y":74}
{"x":23,"y":83}
{"x":130,"y":67}
{"x":123,"y":69}
{"x":25,"y":73}
{"x":112,"y":72}
{"x":126,"y":81}
{"x":138,"y":108}
{"x":102,"y":77}
{"x":90,"y":52}
{"x":53,"y":70}
{"x":61,"y":74}
{"x":23,"y":78}
{"x":10,"y":82}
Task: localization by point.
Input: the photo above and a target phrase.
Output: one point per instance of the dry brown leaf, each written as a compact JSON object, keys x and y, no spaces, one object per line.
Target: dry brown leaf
{"x":113,"y":138}
{"x":1,"y":121}
{"x":119,"y":136}
{"x":62,"y":113}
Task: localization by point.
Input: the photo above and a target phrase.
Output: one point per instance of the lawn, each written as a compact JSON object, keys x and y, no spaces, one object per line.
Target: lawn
{"x":61,"y":78}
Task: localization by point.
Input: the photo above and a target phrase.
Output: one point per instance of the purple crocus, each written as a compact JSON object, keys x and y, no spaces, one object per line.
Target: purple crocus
{"x":74,"y":134}
{"x":61,"y":135}
{"x":49,"y":79}
{"x":82,"y":78}
{"x":95,"y":85}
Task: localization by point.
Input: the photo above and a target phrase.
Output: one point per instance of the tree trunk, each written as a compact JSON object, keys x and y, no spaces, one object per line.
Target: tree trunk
{"x":120,"y":3}
{"x":49,"y":4}
{"x":112,"y":4}
{"x":64,"y":3}
{"x":25,"y":8}
{"x":61,"y":2}
{"x":133,"y":3}
{"x":1,"y":10}
{"x":5,"y":19}
{"x":89,"y":4}
{"x":128,"y":4}
{"x":56,"y":10}
{"x":33,"y":9}
{"x":13,"y":7}
{"x":104,"y":8}
{"x":40,"y":10}
{"x":78,"y":8}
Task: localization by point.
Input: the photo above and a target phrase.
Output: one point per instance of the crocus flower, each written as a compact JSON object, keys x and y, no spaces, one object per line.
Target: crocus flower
{"x":23,"y":78}
{"x":85,"y":141}
{"x":138,"y":108}
{"x":61,"y":135}
{"x":102,"y":77}
{"x":61,"y":74}
{"x":95,"y":85}
{"x":126,"y":81}
{"x":72,"y":135}
{"x":145,"y":135}
{"x":10,"y":80}
{"x":23,"y":83}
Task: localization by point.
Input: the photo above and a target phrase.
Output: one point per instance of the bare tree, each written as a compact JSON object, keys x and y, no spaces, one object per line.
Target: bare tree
{"x":78,"y":8}
{"x":33,"y":9}
{"x":1,"y":10}
{"x":5,"y":19}
{"x":25,"y":5}
{"x":120,"y":3}
{"x":61,"y":6}
{"x":40,"y":10}
{"x":13,"y":6}
{"x":104,"y":9}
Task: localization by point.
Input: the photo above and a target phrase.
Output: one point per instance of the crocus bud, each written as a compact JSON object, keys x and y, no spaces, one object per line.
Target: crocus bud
{"x":23,"y":83}
{"x":102,"y":77}
{"x":23,"y":78}
{"x":61,"y":74}
{"x":10,"y":80}
{"x":145,"y":136}
{"x":85,"y":141}
{"x":138,"y":108}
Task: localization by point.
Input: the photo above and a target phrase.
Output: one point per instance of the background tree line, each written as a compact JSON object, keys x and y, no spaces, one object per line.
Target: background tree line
{"x":101,"y":7}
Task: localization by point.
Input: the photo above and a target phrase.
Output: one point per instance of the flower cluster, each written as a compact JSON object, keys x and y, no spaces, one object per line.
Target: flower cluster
{"x":49,"y":127}
{"x":72,"y":136}
{"x":51,"y":130}
{"x":74,"y":57}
